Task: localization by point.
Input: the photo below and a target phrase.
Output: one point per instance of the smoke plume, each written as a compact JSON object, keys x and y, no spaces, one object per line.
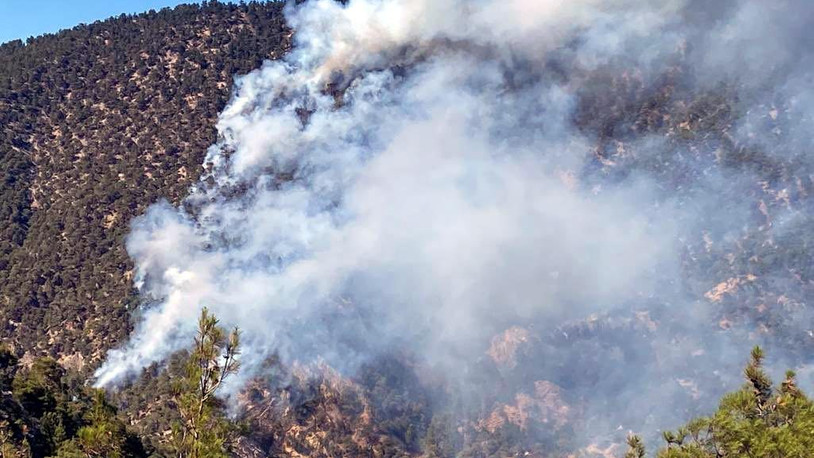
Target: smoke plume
{"x":412,"y":175}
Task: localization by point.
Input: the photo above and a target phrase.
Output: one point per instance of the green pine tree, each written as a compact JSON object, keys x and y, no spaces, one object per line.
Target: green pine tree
{"x":758,"y":421}
{"x":635,"y":447}
{"x":104,"y":435}
{"x":203,"y":432}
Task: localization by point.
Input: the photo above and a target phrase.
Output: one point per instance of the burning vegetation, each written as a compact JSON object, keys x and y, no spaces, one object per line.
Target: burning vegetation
{"x":513,"y":228}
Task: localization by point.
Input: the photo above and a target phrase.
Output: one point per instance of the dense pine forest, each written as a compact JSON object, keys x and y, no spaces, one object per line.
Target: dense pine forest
{"x":80,"y":108}
{"x":99,"y":122}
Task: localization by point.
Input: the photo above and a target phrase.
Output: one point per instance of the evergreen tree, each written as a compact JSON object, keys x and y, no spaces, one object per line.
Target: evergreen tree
{"x":203,"y":431}
{"x":8,"y":449}
{"x":635,"y":447}
{"x":757,"y":421}
{"x":105,"y":435}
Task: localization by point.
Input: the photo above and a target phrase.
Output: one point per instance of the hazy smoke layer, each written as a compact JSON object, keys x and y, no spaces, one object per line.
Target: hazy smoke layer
{"x":410,"y":175}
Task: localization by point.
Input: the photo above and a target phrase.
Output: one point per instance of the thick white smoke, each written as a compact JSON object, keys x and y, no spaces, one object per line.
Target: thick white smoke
{"x":411,"y":176}
{"x":393,"y":169}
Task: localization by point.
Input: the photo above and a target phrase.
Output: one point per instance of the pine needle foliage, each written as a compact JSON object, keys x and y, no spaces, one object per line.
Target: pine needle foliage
{"x":758,"y":421}
{"x":203,"y":431}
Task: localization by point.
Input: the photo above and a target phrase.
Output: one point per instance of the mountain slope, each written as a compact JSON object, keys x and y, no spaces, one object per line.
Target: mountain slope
{"x":99,"y":122}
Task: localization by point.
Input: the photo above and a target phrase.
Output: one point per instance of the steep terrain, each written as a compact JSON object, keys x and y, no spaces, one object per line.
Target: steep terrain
{"x":102,"y":121}
{"x":99,"y":122}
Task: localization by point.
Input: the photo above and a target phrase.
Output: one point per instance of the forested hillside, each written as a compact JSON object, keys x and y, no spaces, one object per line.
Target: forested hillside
{"x":100,"y":122}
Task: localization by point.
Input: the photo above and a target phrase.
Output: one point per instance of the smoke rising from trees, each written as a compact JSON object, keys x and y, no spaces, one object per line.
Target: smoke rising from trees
{"x":413,"y":175}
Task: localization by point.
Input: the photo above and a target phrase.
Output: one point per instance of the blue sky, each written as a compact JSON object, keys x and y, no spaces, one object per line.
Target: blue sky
{"x":24,"y":18}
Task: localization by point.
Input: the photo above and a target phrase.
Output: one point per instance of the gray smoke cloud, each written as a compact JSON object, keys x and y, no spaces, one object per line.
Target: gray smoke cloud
{"x":411,"y":175}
